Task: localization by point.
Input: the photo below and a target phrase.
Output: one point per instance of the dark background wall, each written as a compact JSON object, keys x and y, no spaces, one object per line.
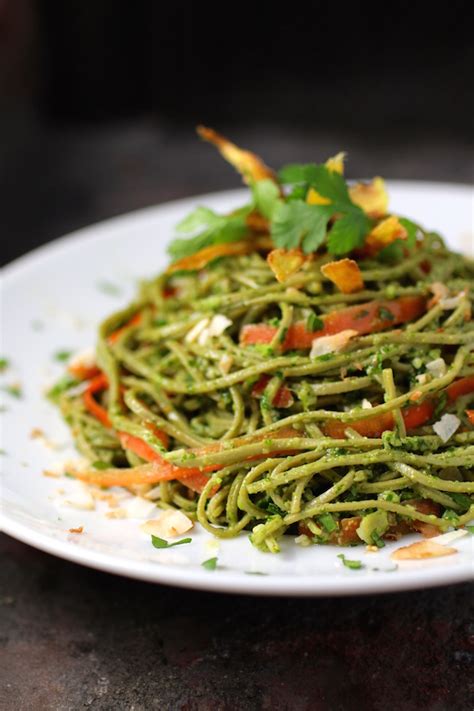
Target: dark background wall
{"x":99,"y":99}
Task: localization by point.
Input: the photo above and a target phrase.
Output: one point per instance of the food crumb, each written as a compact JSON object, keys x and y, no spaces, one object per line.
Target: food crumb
{"x":79,"y":529}
{"x":49,"y":473}
{"x":371,"y":549}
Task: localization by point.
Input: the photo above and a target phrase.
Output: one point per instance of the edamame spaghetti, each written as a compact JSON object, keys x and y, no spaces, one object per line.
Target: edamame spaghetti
{"x":305,"y":365}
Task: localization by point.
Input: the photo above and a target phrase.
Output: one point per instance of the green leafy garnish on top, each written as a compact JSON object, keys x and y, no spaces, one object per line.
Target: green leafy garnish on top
{"x":205,"y":228}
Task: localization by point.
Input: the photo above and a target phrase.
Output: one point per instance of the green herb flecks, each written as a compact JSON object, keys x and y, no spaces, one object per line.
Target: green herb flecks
{"x":161,"y":543}
{"x":14,"y":390}
{"x":4,"y":364}
{"x":210,"y":564}
{"x":107,"y":287}
{"x":352,"y":564}
{"x":62,"y":356}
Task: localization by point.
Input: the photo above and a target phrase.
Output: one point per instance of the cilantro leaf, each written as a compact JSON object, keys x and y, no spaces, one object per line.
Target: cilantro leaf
{"x":297,"y":223}
{"x":218,"y":229}
{"x":328,"y":183}
{"x":314,"y":323}
{"x":210,"y":564}
{"x":161,"y":543}
{"x":348,"y":232}
{"x":266,"y":196}
{"x":352,"y":564}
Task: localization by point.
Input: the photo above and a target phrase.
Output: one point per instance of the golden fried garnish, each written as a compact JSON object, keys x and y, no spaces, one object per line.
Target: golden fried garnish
{"x":200,"y":259}
{"x":421,"y":550}
{"x":249,"y":165}
{"x":345,"y":274}
{"x":257,"y":223}
{"x":336,"y":163}
{"x":285,"y":262}
{"x":384,"y":234}
{"x":371,"y":197}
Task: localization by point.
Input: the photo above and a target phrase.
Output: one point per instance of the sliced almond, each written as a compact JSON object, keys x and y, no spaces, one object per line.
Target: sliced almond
{"x":421,"y":550}
{"x":345,"y":274}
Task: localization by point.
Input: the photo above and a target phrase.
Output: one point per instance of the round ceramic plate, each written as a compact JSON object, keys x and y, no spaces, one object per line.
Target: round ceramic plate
{"x":53,"y":300}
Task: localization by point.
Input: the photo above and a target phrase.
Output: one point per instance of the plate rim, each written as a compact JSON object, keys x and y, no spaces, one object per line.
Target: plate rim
{"x":231,"y":583}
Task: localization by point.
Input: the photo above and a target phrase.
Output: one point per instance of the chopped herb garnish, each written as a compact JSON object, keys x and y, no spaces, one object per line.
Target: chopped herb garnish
{"x":361,"y":314}
{"x":451,"y":516}
{"x":210,"y":564}
{"x":161,"y":543}
{"x":440,"y":404}
{"x":13,"y":390}
{"x":328,"y":522}
{"x":254,"y":572}
{"x":462,"y":500}
{"x":100,"y":465}
{"x":106,"y":287}
{"x":63,"y":384}
{"x":386,"y":314}
{"x":62,"y":356}
{"x":4,"y":364}
{"x":352,"y":564}
{"x":470,"y":529}
{"x":377,"y":540}
{"x":314,"y":323}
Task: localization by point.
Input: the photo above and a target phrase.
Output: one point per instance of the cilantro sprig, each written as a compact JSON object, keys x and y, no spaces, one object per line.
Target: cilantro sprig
{"x":297,"y":223}
{"x":158,"y":542}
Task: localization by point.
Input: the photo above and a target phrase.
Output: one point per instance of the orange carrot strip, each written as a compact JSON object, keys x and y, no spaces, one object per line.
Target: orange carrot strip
{"x":363,"y":318}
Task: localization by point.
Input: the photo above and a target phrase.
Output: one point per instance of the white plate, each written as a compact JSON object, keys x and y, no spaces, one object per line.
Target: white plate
{"x":56,"y":286}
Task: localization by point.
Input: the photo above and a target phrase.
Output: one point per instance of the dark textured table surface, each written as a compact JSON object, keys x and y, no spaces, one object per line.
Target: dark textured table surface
{"x":74,"y":638}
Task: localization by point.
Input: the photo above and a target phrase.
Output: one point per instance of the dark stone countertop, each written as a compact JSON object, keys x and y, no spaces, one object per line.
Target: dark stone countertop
{"x":74,"y":638}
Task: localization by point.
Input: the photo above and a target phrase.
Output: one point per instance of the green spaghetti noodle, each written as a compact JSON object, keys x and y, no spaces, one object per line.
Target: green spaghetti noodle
{"x":224,"y":393}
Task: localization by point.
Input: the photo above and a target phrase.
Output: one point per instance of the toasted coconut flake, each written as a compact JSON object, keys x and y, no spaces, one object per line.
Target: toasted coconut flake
{"x":345,"y":274}
{"x":371,"y":197}
{"x":439,"y":291}
{"x":218,"y":325}
{"x":366,"y":404}
{"x":170,"y":524}
{"x":447,"y":426}
{"x":336,"y":163}
{"x":422,"y":550}
{"x":385,"y":233}
{"x":285,"y":262}
{"x":249,"y":165}
{"x":331,"y":344}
